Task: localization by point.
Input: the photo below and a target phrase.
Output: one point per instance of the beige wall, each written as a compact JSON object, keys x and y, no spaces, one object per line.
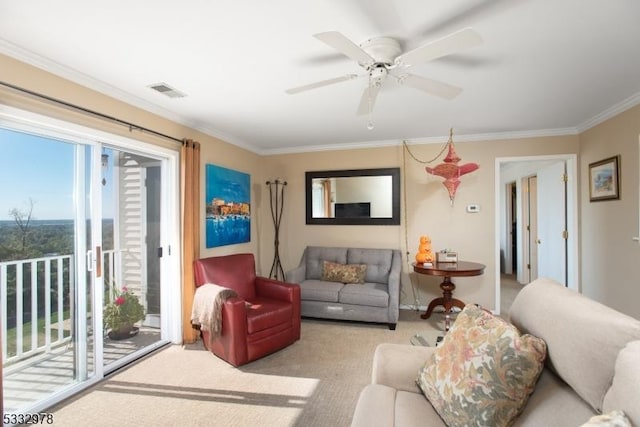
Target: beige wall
{"x":610,"y":259}
{"x":428,"y":210}
{"x":606,"y":227}
{"x":212,"y":150}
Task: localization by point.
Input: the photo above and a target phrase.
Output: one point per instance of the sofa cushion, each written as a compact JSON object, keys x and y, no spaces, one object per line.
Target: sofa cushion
{"x":320,"y":290}
{"x":553,"y":403}
{"x":378,"y":262}
{"x":483,"y":372}
{"x":344,"y":273}
{"x":316,"y":254}
{"x":624,"y":393}
{"x":583,"y":336}
{"x":370,"y":294}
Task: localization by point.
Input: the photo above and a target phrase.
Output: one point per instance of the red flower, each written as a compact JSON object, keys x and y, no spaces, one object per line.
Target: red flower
{"x":124,"y":289}
{"x":119,"y":301}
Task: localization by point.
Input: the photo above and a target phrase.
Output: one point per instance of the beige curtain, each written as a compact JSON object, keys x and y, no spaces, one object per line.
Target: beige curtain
{"x":190,"y":212}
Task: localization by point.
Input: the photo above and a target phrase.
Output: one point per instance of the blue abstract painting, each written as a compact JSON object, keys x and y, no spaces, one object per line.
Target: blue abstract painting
{"x":228,"y":206}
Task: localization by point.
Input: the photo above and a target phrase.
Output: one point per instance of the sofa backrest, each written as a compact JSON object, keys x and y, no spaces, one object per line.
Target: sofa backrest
{"x":624,"y":394}
{"x":378,"y":262}
{"x":315,"y":255}
{"x":583,"y":336}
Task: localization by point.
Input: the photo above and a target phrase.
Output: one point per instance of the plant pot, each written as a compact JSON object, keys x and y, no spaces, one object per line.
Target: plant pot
{"x":123,"y":333}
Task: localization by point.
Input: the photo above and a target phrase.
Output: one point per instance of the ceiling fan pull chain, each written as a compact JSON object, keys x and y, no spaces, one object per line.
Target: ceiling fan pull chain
{"x":370,"y":123}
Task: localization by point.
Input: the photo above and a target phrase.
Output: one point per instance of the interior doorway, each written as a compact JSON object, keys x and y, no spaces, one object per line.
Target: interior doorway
{"x":517,"y":208}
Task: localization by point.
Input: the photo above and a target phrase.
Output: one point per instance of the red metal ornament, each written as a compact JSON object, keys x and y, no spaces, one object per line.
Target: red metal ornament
{"x":451,"y":171}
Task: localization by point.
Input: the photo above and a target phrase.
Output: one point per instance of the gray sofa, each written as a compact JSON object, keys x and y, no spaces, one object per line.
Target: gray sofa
{"x":376,"y":300}
{"x":591,"y":367}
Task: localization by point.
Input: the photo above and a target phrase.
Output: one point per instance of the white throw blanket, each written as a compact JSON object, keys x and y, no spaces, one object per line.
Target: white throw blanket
{"x":207,"y":308}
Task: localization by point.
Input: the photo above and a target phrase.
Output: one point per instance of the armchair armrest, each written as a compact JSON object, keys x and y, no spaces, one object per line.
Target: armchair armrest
{"x":276,"y":289}
{"x":283,"y":291}
{"x":233,"y":341}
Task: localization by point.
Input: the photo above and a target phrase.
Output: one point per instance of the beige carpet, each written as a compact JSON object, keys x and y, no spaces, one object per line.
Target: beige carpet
{"x":314,"y":382}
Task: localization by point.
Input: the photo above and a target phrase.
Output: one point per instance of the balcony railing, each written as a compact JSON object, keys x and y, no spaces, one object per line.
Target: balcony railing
{"x":36,"y":304}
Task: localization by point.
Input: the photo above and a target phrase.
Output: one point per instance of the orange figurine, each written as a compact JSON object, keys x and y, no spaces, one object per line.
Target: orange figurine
{"x":424,"y":251}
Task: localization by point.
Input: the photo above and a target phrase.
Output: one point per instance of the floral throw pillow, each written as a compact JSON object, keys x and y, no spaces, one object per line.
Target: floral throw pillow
{"x":612,"y":419}
{"x":483,"y":372}
{"x":345,"y":273}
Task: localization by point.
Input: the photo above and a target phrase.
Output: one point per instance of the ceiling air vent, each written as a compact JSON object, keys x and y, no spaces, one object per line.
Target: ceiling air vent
{"x":167,"y":90}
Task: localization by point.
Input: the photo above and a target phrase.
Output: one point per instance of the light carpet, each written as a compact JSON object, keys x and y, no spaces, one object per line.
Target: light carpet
{"x":314,"y":382}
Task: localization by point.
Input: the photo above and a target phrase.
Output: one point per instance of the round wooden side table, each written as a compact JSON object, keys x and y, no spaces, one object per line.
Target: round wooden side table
{"x":447,"y":270}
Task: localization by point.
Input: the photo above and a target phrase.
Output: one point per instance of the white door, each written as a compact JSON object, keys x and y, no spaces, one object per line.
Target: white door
{"x":552,"y":222}
{"x":533,"y":228}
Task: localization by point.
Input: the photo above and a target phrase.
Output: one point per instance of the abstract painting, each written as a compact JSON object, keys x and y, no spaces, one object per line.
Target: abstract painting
{"x":228,"y":206}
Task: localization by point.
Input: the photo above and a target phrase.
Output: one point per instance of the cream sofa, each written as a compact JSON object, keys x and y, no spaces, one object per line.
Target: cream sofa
{"x":592,"y":366}
{"x":376,"y":300}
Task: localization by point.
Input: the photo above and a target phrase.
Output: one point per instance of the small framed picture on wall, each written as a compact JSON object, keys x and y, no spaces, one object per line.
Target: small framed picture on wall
{"x":604,"y":179}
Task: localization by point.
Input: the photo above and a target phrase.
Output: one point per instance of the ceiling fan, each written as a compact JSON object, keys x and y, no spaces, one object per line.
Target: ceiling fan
{"x":382,"y":57}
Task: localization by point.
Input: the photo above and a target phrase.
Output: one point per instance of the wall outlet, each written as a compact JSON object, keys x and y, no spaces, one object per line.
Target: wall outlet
{"x":473,"y":208}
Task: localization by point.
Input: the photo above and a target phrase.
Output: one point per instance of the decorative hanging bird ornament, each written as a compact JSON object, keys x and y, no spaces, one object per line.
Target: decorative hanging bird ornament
{"x":450,"y":170}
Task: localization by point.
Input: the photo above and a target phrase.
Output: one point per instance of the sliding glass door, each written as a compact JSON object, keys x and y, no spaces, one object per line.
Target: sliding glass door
{"x":46,"y":342}
{"x":132,"y":251}
{"x":85,"y":243}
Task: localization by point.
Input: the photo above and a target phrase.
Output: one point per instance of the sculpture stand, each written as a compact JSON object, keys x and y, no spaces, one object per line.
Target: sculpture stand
{"x":276,"y":202}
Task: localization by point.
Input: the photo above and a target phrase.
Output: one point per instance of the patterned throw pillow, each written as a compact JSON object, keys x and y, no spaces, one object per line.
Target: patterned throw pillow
{"x":612,"y":419}
{"x":483,"y":372}
{"x":345,"y":273}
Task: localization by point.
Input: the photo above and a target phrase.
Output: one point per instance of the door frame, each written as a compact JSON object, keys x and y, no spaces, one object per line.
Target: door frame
{"x":171,"y":299}
{"x":572,"y":214}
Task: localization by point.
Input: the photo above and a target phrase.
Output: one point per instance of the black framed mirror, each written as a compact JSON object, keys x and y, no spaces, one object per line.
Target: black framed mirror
{"x":353,"y":197}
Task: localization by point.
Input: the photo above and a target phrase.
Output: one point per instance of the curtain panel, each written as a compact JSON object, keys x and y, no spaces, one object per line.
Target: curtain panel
{"x":190,"y":212}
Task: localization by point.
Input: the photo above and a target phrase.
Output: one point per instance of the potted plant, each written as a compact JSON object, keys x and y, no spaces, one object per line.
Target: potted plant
{"x":121,"y":312}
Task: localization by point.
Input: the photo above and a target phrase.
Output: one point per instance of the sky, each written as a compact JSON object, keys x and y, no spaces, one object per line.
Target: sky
{"x":36,"y":168}
{"x":40,"y":169}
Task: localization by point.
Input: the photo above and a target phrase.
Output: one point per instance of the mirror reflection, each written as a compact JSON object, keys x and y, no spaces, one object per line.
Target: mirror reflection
{"x":354,"y":197}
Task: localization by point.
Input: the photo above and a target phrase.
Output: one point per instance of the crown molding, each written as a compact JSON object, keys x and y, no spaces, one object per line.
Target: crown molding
{"x":610,"y":112}
{"x":430,"y":140}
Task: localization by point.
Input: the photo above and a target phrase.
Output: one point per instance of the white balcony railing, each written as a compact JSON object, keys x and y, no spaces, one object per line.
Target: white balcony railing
{"x":44,"y":324}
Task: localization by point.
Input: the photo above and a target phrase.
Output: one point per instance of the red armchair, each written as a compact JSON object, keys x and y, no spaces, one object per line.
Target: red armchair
{"x":271,"y":321}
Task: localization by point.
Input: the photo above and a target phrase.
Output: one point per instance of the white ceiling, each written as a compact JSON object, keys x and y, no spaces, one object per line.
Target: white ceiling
{"x":545,"y":67}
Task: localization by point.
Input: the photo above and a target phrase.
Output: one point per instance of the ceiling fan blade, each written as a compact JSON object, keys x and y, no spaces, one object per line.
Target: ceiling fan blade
{"x":447,"y":45}
{"x":430,"y":86}
{"x":321,"y":83}
{"x":368,"y":100}
{"x":345,"y":46}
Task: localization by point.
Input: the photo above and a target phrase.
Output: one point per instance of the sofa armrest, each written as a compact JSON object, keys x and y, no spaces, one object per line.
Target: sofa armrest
{"x":394,"y":286}
{"x":297,"y":275}
{"x":397,"y":365}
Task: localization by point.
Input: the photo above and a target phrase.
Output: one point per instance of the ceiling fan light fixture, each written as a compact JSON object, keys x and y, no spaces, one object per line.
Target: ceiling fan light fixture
{"x":377,"y":76}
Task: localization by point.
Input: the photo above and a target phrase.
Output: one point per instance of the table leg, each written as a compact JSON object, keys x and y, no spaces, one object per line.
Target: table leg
{"x":447,"y":301}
